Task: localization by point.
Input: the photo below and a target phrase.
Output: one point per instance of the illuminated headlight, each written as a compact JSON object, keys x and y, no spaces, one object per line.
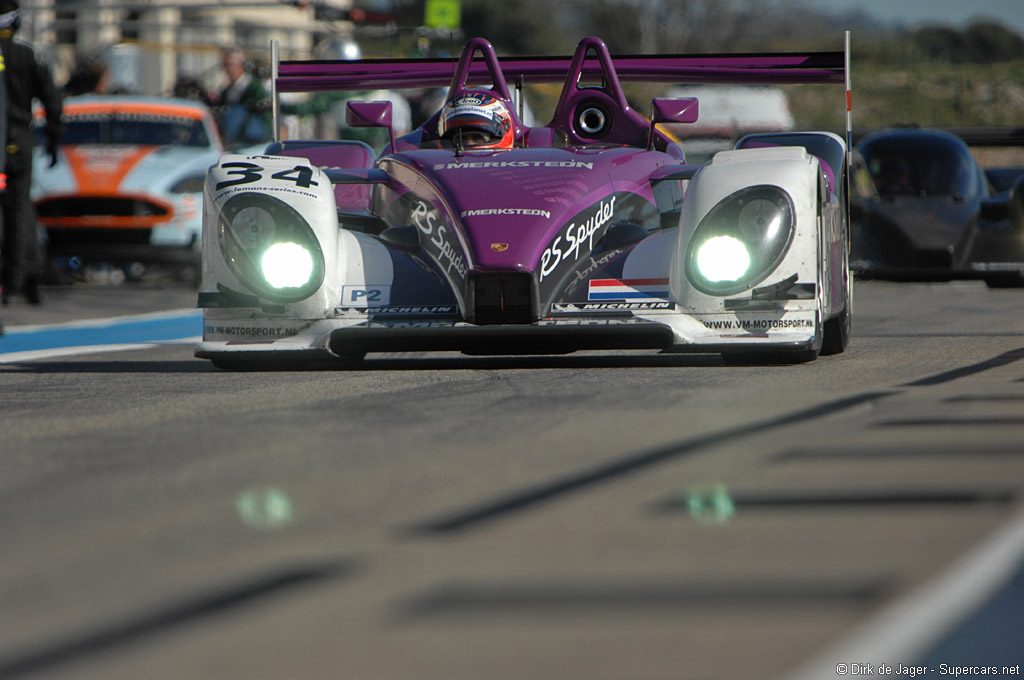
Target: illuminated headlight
{"x":270,"y":247}
{"x":741,"y":240}
{"x":287,"y":265}
{"x":722,"y":258}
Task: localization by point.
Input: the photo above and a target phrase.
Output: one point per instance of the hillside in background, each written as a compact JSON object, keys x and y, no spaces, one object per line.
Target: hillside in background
{"x":934,"y":76}
{"x":929,"y":95}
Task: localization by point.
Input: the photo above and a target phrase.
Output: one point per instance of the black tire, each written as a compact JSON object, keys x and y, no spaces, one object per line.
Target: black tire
{"x":836,"y":336}
{"x":837,"y":333}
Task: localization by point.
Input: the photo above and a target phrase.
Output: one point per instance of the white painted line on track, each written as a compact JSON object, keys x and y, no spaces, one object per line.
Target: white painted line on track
{"x":103,"y":321}
{"x":34,"y":355}
{"x":907,"y":629}
{"x":90,"y":336}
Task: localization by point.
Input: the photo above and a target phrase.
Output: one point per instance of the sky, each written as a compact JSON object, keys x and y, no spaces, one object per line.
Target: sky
{"x":910,"y":12}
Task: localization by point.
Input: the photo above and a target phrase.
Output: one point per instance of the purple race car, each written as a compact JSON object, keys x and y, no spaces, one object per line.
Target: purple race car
{"x":476,"y":233}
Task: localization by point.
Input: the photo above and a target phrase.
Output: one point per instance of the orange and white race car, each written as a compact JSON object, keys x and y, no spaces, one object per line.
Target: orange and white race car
{"x":128,"y":185}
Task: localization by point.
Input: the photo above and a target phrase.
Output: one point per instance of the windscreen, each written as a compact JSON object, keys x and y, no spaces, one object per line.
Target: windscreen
{"x":134,"y":128}
{"x":922,"y":165}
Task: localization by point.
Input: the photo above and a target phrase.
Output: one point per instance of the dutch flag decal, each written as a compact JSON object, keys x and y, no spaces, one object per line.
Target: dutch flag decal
{"x":628,"y":289}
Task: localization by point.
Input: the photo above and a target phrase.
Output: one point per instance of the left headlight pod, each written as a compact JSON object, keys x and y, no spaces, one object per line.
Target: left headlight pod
{"x":270,"y":247}
{"x":741,"y":240}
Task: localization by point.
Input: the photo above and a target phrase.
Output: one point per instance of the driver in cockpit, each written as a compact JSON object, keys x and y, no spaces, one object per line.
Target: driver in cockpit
{"x":476,"y":120}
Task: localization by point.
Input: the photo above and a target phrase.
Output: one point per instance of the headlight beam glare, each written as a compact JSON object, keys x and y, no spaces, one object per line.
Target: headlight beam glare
{"x":723,"y":258}
{"x":287,"y":265}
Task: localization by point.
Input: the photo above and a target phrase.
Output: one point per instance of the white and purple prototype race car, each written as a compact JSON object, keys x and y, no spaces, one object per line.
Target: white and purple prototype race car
{"x":591,"y":232}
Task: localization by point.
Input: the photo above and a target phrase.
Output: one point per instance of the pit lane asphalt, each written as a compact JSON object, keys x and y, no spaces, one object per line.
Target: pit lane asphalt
{"x":602,"y":516}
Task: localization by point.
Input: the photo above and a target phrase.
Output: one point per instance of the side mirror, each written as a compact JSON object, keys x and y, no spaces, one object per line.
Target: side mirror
{"x":1016,"y":204}
{"x":682,"y":110}
{"x":370,"y":114}
{"x":994,"y":209}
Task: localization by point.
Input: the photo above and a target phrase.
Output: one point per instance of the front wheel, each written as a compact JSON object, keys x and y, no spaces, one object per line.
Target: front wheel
{"x":839,"y":328}
{"x":837,"y":333}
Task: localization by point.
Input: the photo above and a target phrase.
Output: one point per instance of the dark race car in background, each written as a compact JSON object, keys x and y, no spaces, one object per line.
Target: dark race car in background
{"x":923,"y":209}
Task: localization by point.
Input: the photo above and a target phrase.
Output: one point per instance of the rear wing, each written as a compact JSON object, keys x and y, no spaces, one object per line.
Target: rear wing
{"x":370,"y":74}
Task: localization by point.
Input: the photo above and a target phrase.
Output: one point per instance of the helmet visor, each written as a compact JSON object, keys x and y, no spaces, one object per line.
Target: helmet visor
{"x":473,"y":120}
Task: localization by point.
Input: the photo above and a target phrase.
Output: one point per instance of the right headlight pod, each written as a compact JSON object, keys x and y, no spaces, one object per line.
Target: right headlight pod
{"x":270,"y":247}
{"x":741,"y":240}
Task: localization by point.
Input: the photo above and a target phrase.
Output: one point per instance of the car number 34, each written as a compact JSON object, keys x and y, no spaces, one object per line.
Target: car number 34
{"x":246,"y":173}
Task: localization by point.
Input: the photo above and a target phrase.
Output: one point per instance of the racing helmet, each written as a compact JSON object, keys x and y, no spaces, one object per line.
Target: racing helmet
{"x":477,"y":119}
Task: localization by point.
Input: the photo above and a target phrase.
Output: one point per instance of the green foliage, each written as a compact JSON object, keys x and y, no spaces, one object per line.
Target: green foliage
{"x":982,"y":42}
{"x":545,"y":27}
{"x":524,"y":27}
{"x":542,"y":27}
{"x":926,"y":94}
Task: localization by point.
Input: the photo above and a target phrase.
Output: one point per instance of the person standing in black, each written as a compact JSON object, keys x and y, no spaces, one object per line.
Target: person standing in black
{"x":26,"y":78}
{"x":3,"y":150}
